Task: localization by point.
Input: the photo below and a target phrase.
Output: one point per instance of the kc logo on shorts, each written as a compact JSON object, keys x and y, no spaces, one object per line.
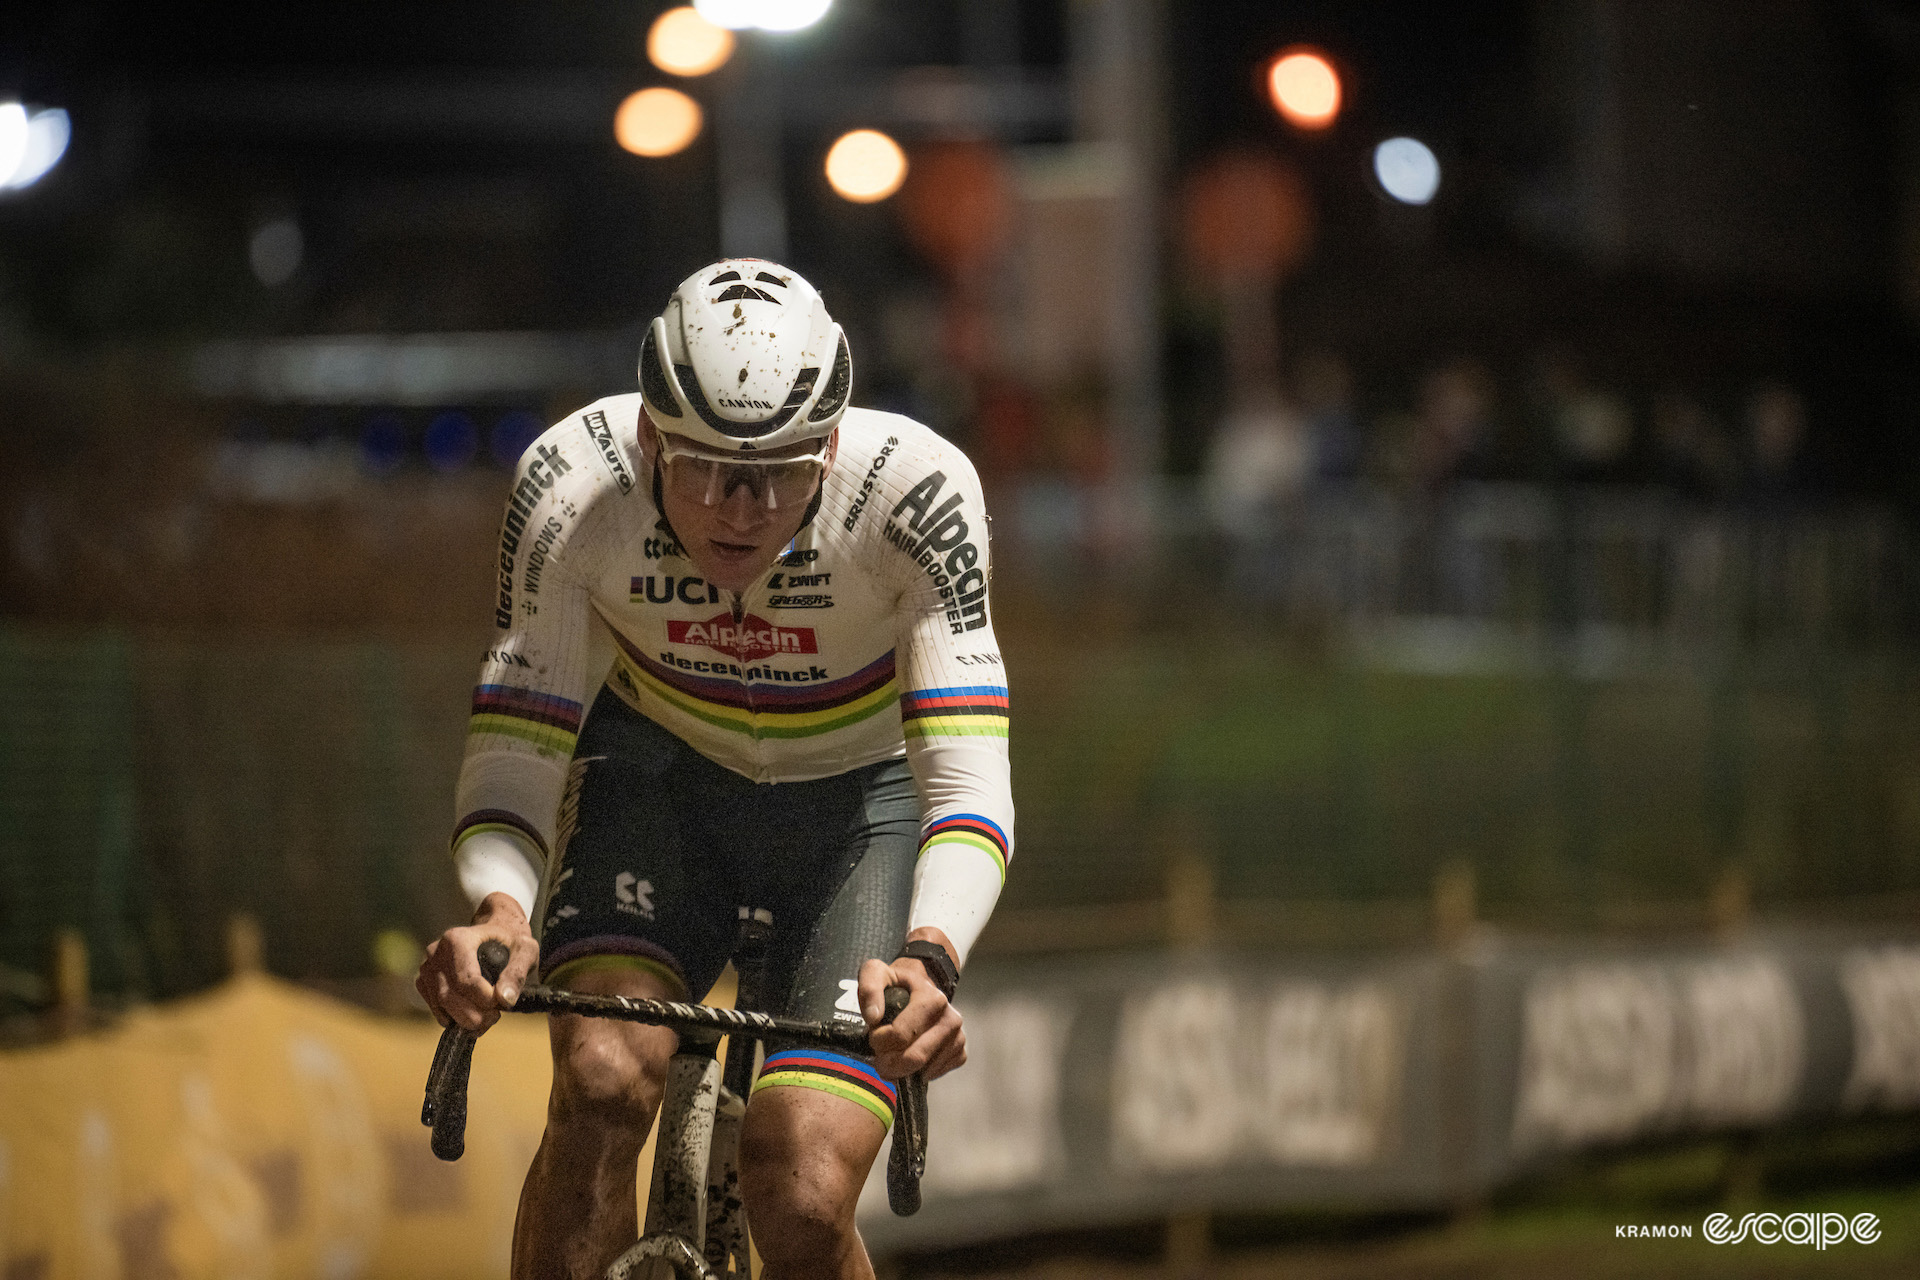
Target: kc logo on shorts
{"x":633,"y":895}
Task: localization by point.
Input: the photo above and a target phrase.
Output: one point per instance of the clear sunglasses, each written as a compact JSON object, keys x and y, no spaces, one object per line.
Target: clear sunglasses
{"x":709,"y":477}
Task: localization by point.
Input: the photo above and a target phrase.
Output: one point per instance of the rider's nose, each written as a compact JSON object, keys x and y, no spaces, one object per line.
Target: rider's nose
{"x":741,"y":507}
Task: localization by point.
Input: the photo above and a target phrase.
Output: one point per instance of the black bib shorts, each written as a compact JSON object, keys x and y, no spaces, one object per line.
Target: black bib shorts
{"x":658,"y":849}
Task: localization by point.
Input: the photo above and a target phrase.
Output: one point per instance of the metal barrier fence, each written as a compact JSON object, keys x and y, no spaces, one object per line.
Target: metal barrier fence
{"x":1132,"y":1088}
{"x":1520,"y":559}
{"x":1711,"y":690}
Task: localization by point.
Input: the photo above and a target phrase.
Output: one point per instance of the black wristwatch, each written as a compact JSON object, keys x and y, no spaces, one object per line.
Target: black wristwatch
{"x":939,"y":965}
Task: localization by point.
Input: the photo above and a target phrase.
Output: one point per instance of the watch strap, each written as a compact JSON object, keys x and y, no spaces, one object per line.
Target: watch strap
{"x":940,"y":967}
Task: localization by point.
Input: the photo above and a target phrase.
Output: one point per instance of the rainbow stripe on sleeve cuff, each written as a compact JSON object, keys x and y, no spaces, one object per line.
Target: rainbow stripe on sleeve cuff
{"x":969,"y":829}
{"x":497,"y":820}
{"x":549,"y":722}
{"x":971,"y":710}
{"x":833,"y":1073}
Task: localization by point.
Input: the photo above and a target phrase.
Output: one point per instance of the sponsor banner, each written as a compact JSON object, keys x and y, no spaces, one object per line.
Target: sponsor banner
{"x":1102,"y":1090}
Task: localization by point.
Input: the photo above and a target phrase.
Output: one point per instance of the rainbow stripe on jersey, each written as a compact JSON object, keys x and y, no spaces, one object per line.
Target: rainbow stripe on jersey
{"x":964,"y":711}
{"x":971,"y":829}
{"x":751,"y":700}
{"x":549,"y":722}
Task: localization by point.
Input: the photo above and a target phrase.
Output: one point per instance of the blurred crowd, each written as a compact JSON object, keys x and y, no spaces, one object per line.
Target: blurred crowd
{"x":1557,"y":423}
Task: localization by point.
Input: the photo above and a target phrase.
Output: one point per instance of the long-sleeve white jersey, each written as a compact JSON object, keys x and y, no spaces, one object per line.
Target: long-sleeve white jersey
{"x":868,"y":639}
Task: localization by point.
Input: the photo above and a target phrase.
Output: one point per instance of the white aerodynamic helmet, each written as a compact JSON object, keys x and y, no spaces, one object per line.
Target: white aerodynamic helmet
{"x":745,"y":357}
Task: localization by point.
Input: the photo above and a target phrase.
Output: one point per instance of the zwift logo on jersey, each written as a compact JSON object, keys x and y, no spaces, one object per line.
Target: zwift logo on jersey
{"x":749,"y":639}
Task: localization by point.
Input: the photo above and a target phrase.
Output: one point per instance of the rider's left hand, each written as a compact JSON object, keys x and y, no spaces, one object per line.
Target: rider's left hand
{"x":927,"y":1036}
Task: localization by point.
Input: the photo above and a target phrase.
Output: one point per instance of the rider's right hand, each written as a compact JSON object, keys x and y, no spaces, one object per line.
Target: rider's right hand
{"x":450,"y":980}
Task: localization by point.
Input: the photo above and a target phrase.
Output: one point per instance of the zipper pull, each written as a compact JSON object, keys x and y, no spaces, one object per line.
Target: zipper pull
{"x":739,"y":608}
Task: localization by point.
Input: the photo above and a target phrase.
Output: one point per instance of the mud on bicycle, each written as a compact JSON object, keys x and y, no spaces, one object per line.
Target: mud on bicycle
{"x":696,"y":1226}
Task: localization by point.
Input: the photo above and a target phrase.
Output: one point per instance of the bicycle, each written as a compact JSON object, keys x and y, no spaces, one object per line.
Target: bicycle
{"x":696,"y":1225}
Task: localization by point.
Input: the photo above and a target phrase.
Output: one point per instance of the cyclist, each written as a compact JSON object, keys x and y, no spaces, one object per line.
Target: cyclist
{"x":800,"y":708}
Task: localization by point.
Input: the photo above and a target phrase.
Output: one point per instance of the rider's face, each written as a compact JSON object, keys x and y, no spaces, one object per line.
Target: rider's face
{"x":736,"y":538}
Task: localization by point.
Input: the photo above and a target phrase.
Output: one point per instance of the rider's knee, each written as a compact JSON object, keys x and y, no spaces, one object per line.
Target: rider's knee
{"x":801,"y":1195}
{"x":602,"y":1075}
{"x":796,"y":1217}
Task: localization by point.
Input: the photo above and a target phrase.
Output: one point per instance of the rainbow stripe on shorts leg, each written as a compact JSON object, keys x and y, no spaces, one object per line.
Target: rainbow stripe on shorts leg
{"x":972,"y":829}
{"x":833,"y":1073}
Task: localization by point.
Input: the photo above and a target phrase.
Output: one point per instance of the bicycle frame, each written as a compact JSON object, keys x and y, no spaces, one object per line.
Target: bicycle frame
{"x":696,"y":1222}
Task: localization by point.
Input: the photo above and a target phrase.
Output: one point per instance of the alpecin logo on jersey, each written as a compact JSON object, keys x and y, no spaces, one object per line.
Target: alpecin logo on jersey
{"x":749,"y":639}
{"x":937,"y":540}
{"x":609,"y":454}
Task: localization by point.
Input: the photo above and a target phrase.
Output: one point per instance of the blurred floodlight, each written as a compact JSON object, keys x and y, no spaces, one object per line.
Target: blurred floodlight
{"x":1407,"y":169}
{"x":47,"y":135}
{"x":657,"y":122}
{"x":13,"y":140}
{"x":865,"y":166}
{"x":275,"y":251}
{"x":383,"y":444}
{"x":686,"y":44}
{"x":513,"y":435}
{"x":1305,"y":89}
{"x":451,"y":441}
{"x":768,"y":15}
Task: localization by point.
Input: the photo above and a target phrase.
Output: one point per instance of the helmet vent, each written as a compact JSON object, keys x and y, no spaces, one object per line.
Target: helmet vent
{"x":748,"y":292}
{"x":653,"y":379}
{"x":774,"y":280}
{"x":839,"y":383}
{"x":723,"y":277}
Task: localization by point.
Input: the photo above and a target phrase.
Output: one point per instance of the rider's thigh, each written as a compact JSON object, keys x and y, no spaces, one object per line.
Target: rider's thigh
{"x":604,"y":1069}
{"x":804,"y":1155}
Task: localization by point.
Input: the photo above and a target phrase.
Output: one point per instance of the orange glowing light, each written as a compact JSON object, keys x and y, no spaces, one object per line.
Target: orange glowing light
{"x":866,"y":166}
{"x":683,"y":43}
{"x":1305,"y":89}
{"x":657,"y":122}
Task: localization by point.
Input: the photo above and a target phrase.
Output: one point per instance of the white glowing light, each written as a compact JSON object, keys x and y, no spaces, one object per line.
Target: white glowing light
{"x":1407,"y":169}
{"x":48,"y":133}
{"x":13,"y":140}
{"x":30,"y":145}
{"x":768,"y":15}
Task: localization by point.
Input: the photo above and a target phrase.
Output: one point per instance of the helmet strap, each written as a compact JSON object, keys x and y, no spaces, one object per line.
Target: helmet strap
{"x":659,"y":504}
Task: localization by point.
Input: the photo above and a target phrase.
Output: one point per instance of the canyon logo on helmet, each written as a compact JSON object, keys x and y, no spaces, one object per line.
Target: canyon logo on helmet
{"x":745,"y":358}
